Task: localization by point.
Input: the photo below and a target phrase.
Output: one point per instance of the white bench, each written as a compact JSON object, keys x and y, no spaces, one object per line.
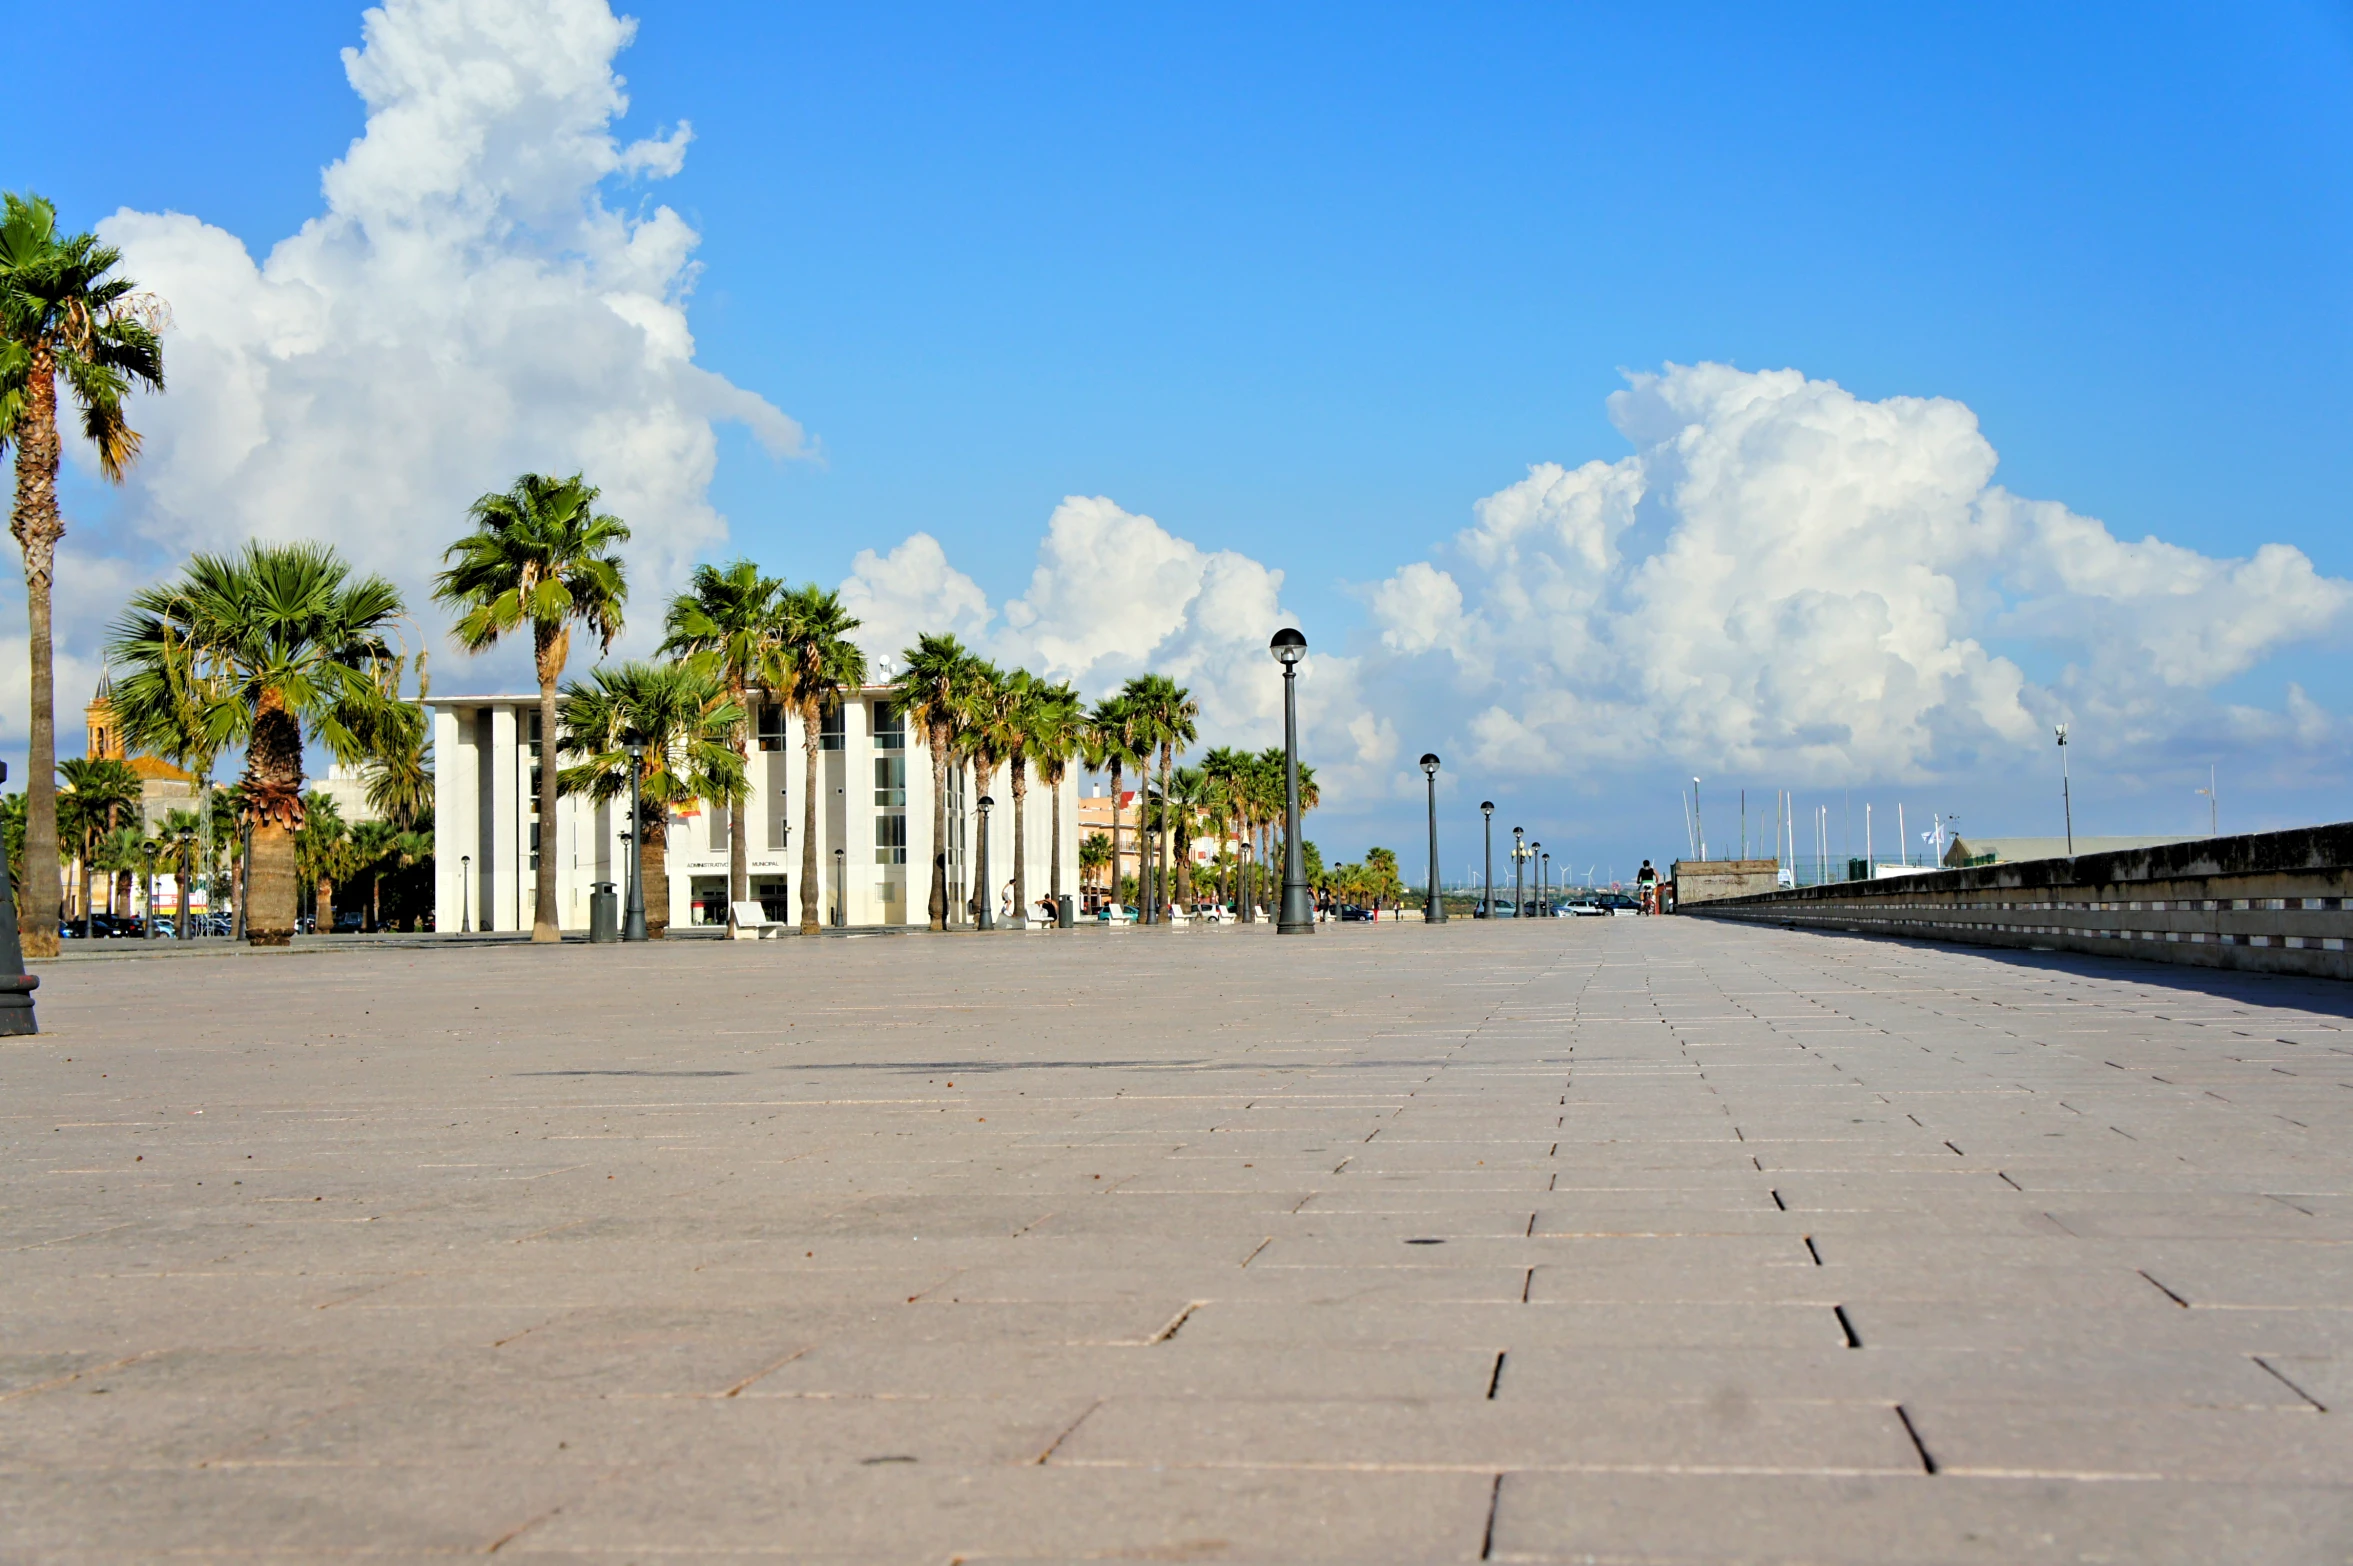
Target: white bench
{"x":752,"y":923}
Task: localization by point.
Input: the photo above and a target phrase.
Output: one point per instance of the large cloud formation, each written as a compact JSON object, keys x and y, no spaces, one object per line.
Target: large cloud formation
{"x":468,"y":307}
{"x":1782,"y":580}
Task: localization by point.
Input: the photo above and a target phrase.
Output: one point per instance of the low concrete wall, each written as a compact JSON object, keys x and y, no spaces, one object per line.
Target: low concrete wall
{"x":2270,"y":902}
{"x":1712,"y":880}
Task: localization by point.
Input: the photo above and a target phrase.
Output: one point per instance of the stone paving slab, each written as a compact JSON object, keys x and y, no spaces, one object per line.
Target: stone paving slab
{"x":1620,"y":1240}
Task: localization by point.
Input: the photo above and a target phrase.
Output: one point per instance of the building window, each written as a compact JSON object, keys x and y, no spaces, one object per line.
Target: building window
{"x":774,"y":903}
{"x":829,"y":728}
{"x":707,"y":899}
{"x":890,"y":780}
{"x":890,"y":727}
{"x":771,"y":725}
{"x":718,"y":815}
{"x":890,"y":840}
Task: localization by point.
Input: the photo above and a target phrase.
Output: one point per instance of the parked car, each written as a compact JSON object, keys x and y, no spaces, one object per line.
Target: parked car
{"x":1352,"y":914}
{"x":1619,"y":905}
{"x":1587,"y":906}
{"x":115,"y":927}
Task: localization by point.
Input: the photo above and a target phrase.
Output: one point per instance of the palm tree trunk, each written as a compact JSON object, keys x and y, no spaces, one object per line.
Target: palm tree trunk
{"x":1020,"y":839}
{"x":1167,"y":818}
{"x":544,"y":919}
{"x":938,"y":906}
{"x":809,"y":739}
{"x":739,"y":869}
{"x":1113,"y":877}
{"x":273,"y":800}
{"x":656,"y":829}
{"x":35,"y":523}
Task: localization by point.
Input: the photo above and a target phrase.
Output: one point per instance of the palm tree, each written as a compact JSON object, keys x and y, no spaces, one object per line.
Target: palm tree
{"x":265,"y":648}
{"x":1167,"y":711}
{"x":1182,"y":808}
{"x":541,"y":553}
{"x":1057,"y":735}
{"x":730,"y":621}
{"x":978,"y":733}
{"x":375,"y":844}
{"x":399,"y":767}
{"x":117,"y":853}
{"x":1225,"y":773}
{"x":97,"y":794}
{"x":180,"y":827}
{"x":61,"y":314}
{"x":682,"y":718}
{"x":928,"y":690}
{"x":322,"y":855}
{"x":1113,"y":743}
{"x":1093,"y":854}
{"x":1008,"y":717}
{"x":818,"y":664}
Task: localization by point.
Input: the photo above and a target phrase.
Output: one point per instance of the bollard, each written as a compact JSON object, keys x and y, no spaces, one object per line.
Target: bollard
{"x":604,"y":913}
{"x":1066,"y":915}
{"x":16,"y":985}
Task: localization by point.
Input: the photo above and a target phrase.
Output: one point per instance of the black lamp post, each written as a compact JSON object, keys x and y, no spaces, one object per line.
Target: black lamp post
{"x":187,"y":866}
{"x":1298,"y":914}
{"x":984,"y":915}
{"x":633,"y":917}
{"x":465,"y":894}
{"x":1487,"y":886}
{"x":1519,"y":871}
{"x":147,"y":852}
{"x":1544,"y":885}
{"x":841,"y":892}
{"x":1436,"y":913}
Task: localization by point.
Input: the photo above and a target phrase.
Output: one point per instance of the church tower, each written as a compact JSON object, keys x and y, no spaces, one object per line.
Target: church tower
{"x":106,"y":741}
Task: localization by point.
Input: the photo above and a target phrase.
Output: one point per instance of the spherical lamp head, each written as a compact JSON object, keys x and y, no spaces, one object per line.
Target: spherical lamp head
{"x":636,"y":750}
{"x":2060,"y":729}
{"x":1429,"y":764}
{"x":1487,"y":808}
{"x":987,"y":803}
{"x":1288,"y":646}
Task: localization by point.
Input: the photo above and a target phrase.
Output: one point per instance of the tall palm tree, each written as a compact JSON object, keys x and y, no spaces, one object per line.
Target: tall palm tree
{"x":1113,"y":743}
{"x":730,"y":621}
{"x":979,"y":744}
{"x":266,"y":648}
{"x":1224,"y":773}
{"x":1008,"y":717}
{"x":62,"y":313}
{"x":98,"y":794}
{"x":1168,"y":712}
{"x":682,"y":718}
{"x":540,"y":554}
{"x":1182,"y":808}
{"x":817,"y":666}
{"x":928,"y":692}
{"x":1057,"y":736}
{"x":180,"y":827}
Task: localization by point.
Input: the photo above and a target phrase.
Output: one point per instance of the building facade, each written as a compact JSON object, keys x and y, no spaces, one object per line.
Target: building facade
{"x":874,"y":824}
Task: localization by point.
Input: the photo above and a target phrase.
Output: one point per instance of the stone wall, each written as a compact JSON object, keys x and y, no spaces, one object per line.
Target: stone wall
{"x":2274,"y":902}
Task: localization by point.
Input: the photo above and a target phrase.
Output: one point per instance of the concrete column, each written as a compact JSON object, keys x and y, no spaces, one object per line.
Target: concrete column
{"x":504,"y":864}
{"x":457,"y":814}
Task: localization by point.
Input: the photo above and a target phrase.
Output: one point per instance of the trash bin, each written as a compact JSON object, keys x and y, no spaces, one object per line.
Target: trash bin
{"x":1067,"y":915}
{"x":604,"y":913}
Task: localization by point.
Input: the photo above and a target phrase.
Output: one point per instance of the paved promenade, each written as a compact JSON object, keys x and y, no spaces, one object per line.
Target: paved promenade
{"x":1606,"y":1240}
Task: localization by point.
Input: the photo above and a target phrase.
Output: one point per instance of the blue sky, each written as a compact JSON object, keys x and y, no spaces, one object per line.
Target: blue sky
{"x":1308,"y":286}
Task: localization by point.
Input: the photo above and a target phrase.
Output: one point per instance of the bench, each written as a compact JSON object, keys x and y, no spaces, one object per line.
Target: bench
{"x":751,"y":923}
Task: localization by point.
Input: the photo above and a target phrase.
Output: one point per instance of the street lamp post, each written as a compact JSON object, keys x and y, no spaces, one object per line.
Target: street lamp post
{"x":841,"y":892}
{"x":633,"y":917}
{"x":465,"y":894}
{"x":187,"y":864}
{"x":1519,"y":871}
{"x":147,"y":853}
{"x":2066,"y":799}
{"x":1298,"y":916}
{"x":984,"y":915}
{"x":1544,"y":885}
{"x":1436,"y":913}
{"x":1487,"y":885}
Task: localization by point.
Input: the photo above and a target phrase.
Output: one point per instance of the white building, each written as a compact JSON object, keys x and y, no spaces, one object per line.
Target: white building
{"x":873,"y":840}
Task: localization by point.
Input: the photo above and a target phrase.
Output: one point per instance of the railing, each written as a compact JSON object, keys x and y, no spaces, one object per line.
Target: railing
{"x":2277,"y":902}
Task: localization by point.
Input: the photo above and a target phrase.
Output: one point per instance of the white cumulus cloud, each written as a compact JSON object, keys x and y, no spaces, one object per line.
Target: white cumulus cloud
{"x":468,"y":306}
